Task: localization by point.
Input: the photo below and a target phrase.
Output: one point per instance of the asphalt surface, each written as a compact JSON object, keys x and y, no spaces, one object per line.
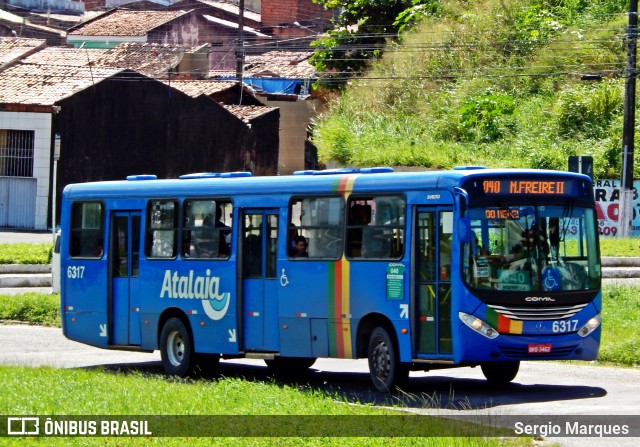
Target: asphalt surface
{"x":14,"y":236}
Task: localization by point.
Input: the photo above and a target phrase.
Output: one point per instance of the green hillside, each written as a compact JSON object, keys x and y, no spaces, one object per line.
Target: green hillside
{"x":490,"y":82}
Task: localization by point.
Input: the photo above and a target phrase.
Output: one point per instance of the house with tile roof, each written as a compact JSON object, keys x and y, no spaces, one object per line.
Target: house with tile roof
{"x":153,"y":60}
{"x":273,"y":17}
{"x":223,"y":92}
{"x":12,"y":50}
{"x":279,"y":72}
{"x":191,"y":28}
{"x":109,"y":123}
{"x":117,"y":26}
{"x":28,"y":105}
{"x":282,"y":79}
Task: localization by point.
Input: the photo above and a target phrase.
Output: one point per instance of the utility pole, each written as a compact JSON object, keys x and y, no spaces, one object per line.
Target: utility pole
{"x":625,"y":215}
{"x":240,"y":43}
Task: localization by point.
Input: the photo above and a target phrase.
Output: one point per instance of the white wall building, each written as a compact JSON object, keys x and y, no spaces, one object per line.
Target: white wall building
{"x":25,"y":148}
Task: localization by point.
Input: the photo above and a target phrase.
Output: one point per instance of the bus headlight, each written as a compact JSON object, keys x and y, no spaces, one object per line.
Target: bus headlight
{"x":590,"y":326}
{"x":478,"y":325}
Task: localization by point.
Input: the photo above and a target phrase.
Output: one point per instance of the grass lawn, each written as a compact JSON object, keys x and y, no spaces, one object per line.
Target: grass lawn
{"x":46,"y":391}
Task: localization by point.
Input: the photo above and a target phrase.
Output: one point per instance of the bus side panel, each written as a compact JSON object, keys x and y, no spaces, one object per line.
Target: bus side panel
{"x":305,"y":300}
{"x":381,"y":287}
{"x":84,"y":301}
{"x":203,"y":291}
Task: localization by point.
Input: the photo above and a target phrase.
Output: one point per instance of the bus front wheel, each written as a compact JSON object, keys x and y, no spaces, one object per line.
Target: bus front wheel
{"x":384,"y":366}
{"x":500,"y":372}
{"x":176,"y":348}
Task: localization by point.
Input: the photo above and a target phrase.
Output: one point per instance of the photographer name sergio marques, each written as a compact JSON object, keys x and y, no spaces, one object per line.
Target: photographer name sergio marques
{"x":571,"y":428}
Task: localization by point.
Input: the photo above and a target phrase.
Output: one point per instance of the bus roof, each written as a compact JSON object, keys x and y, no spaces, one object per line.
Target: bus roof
{"x":230,"y":184}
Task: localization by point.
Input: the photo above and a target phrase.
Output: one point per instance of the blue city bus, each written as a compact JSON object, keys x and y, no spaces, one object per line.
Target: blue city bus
{"x":412,"y":270}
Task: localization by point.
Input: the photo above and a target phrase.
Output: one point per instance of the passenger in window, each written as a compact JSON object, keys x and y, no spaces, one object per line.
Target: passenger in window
{"x":291,"y":238}
{"x":224,"y":236}
{"x":99,"y":249}
{"x":478,"y":250}
{"x":299,"y":247}
{"x":531,"y":243}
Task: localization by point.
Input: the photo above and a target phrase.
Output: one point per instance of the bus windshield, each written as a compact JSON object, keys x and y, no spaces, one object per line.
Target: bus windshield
{"x":532,"y":248}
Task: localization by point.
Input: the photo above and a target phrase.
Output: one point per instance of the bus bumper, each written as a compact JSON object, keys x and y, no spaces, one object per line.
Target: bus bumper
{"x":510,"y":347}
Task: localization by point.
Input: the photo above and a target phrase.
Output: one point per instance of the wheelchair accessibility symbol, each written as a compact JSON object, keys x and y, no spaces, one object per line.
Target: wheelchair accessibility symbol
{"x":284,"y":281}
{"x":551,"y":279}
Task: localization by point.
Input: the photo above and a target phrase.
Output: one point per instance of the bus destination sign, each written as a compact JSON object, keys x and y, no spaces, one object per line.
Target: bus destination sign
{"x":527,"y":187}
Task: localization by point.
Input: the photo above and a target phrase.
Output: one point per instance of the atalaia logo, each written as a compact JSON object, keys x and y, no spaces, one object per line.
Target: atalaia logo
{"x":191,"y":286}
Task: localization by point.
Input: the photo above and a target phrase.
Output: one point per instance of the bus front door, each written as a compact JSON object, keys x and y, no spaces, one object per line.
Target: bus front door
{"x":434,"y":231}
{"x":259,"y":280}
{"x":124,"y":256}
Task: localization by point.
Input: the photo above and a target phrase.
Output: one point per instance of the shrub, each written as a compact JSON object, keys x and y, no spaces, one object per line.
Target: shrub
{"x":586,"y":111}
{"x":483,"y":117}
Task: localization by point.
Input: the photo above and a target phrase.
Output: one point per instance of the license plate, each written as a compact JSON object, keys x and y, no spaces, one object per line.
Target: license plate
{"x":540,"y":348}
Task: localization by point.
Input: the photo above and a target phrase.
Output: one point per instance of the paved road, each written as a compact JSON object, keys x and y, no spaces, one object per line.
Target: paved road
{"x":12,"y":236}
{"x":541,"y":388}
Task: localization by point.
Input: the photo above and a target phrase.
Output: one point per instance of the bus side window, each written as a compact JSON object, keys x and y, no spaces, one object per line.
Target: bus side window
{"x":446,"y":236}
{"x":206,"y":234}
{"x":375,"y":229}
{"x":87,"y":230}
{"x":319,"y":220}
{"x":161,"y":232}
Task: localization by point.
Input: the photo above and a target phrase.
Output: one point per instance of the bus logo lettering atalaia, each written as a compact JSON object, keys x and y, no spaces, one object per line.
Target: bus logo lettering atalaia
{"x":205,"y":288}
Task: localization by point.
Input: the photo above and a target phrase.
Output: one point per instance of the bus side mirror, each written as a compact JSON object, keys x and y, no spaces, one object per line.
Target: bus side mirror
{"x":464,"y":230}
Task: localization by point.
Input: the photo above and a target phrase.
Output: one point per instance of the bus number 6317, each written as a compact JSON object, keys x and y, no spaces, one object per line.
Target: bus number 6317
{"x":75,"y":271}
{"x":565,"y":326}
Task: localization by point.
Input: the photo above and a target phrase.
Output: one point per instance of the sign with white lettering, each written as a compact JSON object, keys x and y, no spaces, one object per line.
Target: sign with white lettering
{"x":395,"y":281}
{"x":607,"y":195}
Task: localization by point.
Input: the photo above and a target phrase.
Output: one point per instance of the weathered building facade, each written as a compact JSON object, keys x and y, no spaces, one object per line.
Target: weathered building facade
{"x":109,"y":123}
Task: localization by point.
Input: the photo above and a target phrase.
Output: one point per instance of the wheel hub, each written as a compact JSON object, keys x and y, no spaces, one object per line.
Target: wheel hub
{"x":381,"y":360}
{"x":175,"y":348}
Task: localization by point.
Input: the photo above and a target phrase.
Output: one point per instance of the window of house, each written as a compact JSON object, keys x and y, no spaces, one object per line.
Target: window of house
{"x":317,"y":223}
{"x":87,"y":230}
{"x":16,"y":153}
{"x":375,"y":227}
{"x":207,"y":229}
{"x":162,"y":229}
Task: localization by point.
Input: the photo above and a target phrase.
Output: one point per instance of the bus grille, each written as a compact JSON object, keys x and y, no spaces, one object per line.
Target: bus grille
{"x":521,"y":352}
{"x":538,"y":313}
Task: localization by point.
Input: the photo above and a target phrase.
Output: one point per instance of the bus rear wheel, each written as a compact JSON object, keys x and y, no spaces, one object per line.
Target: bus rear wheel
{"x":176,"y":348}
{"x":384,"y":366}
{"x":500,"y":372}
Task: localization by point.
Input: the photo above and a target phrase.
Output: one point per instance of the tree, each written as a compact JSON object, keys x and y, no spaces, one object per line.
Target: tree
{"x":361,"y":31}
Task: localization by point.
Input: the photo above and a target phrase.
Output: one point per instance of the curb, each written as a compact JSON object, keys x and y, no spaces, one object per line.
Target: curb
{"x":24,"y":268}
{"x":609,"y":261}
{"x":621,"y":272}
{"x":39,"y":275}
{"x":25,"y":280}
{"x":23,"y":276}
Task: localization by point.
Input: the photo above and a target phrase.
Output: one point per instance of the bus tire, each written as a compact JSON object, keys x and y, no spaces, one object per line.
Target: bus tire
{"x":385,"y":368}
{"x":500,"y":372}
{"x":176,"y":348}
